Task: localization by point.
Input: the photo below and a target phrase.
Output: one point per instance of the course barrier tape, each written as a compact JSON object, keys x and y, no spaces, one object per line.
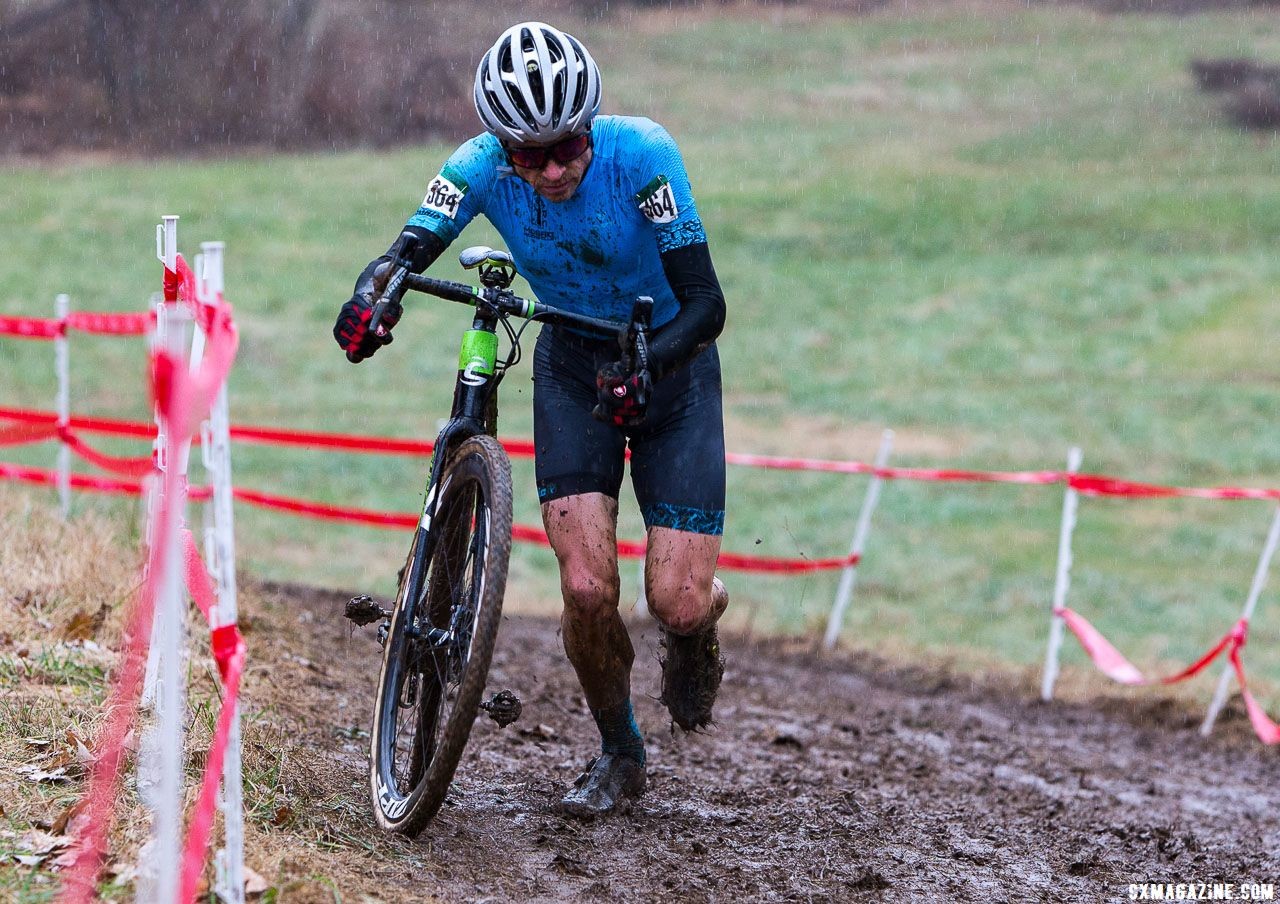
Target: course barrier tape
{"x":102,"y":323}
{"x":1101,"y":485}
{"x":1087,"y":484}
{"x":21,"y":434}
{"x":180,"y":285}
{"x":229,"y":654}
{"x":1112,"y":663}
{"x":104,"y":425}
{"x":121,"y":712}
{"x":131,"y":323}
{"x":90,"y":483}
{"x":100,"y":795}
{"x":129,"y":467}
{"x":521,"y":533}
{"x":182,"y":398}
{"x":30,"y":327}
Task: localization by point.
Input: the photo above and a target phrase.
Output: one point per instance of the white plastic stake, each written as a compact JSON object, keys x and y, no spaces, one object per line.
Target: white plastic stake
{"x":167,"y":241}
{"x":62,"y":364}
{"x":1251,"y":603}
{"x":849,"y":577}
{"x":155,"y":487}
{"x":161,"y":874}
{"x":202,"y":297}
{"x":172,"y":322}
{"x":1062,"y":581}
{"x":229,"y":861}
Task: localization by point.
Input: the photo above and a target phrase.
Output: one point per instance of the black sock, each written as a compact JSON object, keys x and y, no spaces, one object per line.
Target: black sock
{"x":619,"y":733}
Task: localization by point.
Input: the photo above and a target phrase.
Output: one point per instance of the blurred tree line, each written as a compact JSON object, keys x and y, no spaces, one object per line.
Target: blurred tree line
{"x":175,"y":75}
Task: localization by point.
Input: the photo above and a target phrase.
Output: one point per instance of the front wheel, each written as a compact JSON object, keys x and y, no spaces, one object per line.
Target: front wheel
{"x":441,"y":638}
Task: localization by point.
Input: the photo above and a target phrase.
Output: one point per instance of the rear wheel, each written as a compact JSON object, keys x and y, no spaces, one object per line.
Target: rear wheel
{"x":441,"y":638}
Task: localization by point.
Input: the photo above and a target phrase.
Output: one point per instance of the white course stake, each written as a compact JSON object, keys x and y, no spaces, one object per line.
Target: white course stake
{"x":229,"y":861}
{"x":62,"y":364}
{"x":1062,"y":581}
{"x":1255,"y":591}
{"x":167,"y":254}
{"x":160,"y":759}
{"x":849,"y":577}
{"x":162,"y":870}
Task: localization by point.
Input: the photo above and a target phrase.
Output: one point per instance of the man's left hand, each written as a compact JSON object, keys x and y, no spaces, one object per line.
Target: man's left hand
{"x":623,"y":395}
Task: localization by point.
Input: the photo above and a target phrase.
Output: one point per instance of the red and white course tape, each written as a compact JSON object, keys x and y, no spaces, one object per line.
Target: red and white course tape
{"x":1112,"y":663}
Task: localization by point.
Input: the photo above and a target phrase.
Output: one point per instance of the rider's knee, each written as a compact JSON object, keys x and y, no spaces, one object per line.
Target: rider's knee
{"x":589,"y":596}
{"x":680,"y":611}
{"x":685,"y":608}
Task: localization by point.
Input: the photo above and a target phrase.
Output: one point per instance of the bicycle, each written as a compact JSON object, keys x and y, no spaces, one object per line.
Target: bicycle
{"x":439,"y":637}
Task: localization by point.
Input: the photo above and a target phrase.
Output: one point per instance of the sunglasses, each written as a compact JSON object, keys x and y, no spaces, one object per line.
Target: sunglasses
{"x":564,"y":151}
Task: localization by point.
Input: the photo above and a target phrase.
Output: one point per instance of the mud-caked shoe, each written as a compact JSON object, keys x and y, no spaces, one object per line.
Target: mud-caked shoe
{"x":607,"y":786}
{"x":691,"y":673}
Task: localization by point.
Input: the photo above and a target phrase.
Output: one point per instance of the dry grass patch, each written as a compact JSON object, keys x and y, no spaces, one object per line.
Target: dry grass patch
{"x":64,"y":594}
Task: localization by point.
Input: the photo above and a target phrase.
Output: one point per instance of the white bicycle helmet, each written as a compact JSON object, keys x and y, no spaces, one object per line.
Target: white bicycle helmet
{"x":536,"y":85}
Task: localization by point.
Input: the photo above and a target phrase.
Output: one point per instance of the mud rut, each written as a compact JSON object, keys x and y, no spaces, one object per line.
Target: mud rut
{"x":824,"y":780}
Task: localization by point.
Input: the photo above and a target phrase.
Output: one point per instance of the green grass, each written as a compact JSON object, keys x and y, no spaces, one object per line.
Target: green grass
{"x":1000,"y":230}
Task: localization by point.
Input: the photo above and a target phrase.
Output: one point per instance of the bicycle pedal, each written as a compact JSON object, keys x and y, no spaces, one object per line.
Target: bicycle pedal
{"x":503,"y":707}
{"x":364,"y":610}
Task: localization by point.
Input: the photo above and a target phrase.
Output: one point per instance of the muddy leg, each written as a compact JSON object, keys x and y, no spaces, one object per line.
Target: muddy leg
{"x":681,"y":588}
{"x":583,"y":532}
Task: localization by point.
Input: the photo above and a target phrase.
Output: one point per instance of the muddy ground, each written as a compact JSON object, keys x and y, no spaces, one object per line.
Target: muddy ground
{"x":825,"y":779}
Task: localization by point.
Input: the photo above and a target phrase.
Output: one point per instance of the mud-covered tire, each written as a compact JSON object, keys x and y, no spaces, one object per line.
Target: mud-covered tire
{"x":469,"y":545}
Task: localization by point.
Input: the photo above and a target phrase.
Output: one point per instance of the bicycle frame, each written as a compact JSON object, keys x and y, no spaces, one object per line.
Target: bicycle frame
{"x":474,"y":400}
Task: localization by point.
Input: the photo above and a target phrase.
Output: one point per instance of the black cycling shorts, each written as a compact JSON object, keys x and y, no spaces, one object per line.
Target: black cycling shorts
{"x":677,"y":454}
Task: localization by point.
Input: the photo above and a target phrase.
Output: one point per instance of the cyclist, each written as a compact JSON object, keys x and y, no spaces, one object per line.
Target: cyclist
{"x":597,"y":210}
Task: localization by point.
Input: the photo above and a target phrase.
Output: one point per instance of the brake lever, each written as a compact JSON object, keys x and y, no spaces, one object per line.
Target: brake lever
{"x":637,"y":344}
{"x":394,"y":289}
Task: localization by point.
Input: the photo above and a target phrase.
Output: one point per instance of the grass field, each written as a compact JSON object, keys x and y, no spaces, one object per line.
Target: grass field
{"x":999,"y":230}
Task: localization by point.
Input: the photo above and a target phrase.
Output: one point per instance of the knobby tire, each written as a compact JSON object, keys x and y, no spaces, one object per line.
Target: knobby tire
{"x":469,"y":551}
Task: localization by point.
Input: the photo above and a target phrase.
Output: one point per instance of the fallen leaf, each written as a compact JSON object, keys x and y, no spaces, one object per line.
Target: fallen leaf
{"x":254,"y":885}
{"x":84,"y":625}
{"x":37,"y":743}
{"x":45,"y":776}
{"x":67,"y":817}
{"x":66,"y":859}
{"x":283,"y":814}
{"x":122,"y":873}
{"x":78,"y":747}
{"x":43,"y":844}
{"x":540,"y":732}
{"x":32,"y":860}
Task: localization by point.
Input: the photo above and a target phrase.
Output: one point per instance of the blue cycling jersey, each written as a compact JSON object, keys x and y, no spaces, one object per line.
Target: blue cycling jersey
{"x":595,"y":252}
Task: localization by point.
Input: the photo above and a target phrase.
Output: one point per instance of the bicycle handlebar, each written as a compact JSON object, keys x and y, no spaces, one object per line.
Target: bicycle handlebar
{"x":502,"y":301}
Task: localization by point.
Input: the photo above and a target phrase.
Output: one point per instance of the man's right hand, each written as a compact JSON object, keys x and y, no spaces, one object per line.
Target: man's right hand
{"x":352,"y":328}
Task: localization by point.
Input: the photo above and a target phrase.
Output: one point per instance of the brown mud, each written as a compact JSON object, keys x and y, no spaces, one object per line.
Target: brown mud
{"x":843,"y":779}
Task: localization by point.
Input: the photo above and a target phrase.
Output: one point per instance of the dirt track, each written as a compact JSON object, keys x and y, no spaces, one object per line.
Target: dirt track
{"x":824,"y":780}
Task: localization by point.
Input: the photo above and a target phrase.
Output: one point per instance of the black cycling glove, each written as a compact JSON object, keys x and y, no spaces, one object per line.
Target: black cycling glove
{"x":352,"y":328}
{"x":623,"y":396}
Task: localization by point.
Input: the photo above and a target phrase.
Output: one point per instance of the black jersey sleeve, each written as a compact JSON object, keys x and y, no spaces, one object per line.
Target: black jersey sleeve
{"x":702,"y":309}
{"x":427,"y":246}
